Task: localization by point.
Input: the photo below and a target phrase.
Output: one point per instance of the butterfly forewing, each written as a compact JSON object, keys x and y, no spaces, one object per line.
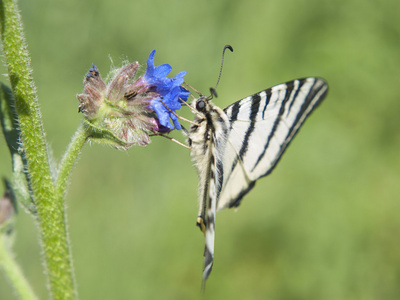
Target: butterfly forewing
{"x":261,"y":128}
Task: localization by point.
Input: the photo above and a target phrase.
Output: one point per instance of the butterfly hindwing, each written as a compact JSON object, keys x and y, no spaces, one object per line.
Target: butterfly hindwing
{"x":210,"y":213}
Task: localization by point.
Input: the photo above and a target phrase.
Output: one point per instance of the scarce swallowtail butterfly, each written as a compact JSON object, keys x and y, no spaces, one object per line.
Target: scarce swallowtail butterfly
{"x":235,"y":146}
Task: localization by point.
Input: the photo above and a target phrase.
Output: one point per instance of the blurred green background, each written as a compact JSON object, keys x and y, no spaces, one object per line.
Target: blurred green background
{"x":324,"y":225}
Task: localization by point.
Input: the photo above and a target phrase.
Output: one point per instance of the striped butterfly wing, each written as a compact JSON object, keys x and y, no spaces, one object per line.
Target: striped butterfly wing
{"x":261,"y":128}
{"x":234,"y":147}
{"x":210,"y":212}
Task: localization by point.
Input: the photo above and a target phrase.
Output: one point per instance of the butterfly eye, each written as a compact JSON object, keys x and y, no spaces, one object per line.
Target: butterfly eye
{"x":200,"y":105}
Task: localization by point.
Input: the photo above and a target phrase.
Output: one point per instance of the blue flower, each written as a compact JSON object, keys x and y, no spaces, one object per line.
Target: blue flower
{"x":169,"y":90}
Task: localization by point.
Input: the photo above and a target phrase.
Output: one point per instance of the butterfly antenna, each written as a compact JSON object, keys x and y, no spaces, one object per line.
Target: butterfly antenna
{"x":222,"y":64}
{"x":213,"y":93}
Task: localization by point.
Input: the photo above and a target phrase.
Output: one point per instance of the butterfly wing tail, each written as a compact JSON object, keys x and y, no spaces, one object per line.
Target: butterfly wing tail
{"x":208,"y":254}
{"x":210,"y":219}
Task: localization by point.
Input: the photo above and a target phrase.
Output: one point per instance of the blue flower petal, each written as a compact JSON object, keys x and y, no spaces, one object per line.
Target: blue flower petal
{"x":155,"y":74}
{"x":184,"y":93}
{"x":179,"y":78}
{"x":162,"y":70}
{"x":169,"y":90}
{"x":150,"y":62}
{"x":162,"y":113}
{"x":176,"y":122}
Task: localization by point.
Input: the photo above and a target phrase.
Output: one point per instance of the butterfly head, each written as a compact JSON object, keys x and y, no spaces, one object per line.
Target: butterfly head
{"x":202,"y":104}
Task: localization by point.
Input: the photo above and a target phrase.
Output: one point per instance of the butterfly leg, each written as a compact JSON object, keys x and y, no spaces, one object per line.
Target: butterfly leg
{"x":178,"y":116}
{"x":172,"y":140}
{"x":200,"y":223}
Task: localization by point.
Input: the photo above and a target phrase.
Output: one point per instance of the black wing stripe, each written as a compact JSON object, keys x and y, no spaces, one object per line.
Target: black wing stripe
{"x":220,"y":170}
{"x":300,"y":84}
{"x":220,"y":142}
{"x":300,"y":118}
{"x":276,"y":123}
{"x":266,"y":102}
{"x":239,"y":197}
{"x":255,"y":105}
{"x":235,"y":112}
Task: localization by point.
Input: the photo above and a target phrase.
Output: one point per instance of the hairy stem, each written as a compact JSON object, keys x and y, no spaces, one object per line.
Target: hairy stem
{"x":69,"y":158}
{"x":13,"y":272}
{"x":49,"y":205}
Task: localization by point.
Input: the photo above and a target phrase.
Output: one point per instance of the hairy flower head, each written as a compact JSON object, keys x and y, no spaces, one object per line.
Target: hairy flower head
{"x":124,"y":110}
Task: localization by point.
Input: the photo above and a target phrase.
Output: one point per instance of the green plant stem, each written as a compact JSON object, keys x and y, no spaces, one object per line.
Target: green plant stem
{"x":49,"y":205}
{"x":69,"y":158}
{"x":13,"y":271}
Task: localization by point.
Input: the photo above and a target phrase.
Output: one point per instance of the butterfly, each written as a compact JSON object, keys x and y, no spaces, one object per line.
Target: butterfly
{"x":233,"y":147}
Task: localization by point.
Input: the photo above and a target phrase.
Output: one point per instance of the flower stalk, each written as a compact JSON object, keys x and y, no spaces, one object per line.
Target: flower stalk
{"x":70,"y":156}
